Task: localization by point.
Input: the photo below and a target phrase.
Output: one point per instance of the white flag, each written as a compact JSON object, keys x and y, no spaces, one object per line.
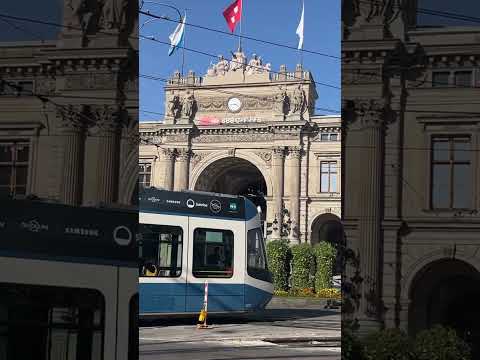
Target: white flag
{"x":176,"y":38}
{"x":300,"y":28}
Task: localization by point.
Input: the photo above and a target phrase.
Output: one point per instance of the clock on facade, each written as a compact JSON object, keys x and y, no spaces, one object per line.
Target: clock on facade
{"x":234,"y":104}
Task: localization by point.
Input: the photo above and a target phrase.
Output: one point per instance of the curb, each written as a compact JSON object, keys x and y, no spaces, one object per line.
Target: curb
{"x":304,"y":339}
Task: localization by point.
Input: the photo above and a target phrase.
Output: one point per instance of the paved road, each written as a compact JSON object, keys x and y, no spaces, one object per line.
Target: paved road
{"x":234,"y":350}
{"x":284,"y":331}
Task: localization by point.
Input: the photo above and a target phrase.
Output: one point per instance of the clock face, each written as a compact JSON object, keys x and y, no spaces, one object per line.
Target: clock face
{"x":234,"y":104}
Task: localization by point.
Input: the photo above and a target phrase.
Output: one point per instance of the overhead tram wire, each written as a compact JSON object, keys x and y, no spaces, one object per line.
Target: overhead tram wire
{"x":237,"y":62}
{"x":147,"y":13}
{"x":154,"y":40}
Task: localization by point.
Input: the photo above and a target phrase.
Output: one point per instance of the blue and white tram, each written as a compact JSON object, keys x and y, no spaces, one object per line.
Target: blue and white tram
{"x":187,"y":238}
{"x":68,"y":282}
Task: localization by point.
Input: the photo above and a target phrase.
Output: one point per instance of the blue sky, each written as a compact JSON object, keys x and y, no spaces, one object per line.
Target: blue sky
{"x":271,"y":20}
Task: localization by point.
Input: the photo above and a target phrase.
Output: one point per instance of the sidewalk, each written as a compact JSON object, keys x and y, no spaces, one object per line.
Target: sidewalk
{"x":285,"y":320}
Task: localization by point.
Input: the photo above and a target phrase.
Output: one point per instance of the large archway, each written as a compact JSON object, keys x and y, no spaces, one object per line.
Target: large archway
{"x":329,"y":228}
{"x":235,"y":176}
{"x":446,"y":292}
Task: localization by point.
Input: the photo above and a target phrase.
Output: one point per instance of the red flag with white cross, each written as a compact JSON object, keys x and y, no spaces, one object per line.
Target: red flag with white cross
{"x":233,"y":14}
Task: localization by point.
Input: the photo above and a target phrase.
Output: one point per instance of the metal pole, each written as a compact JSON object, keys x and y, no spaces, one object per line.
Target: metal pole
{"x":180,"y":21}
{"x":184,"y":43}
{"x":240,"y":36}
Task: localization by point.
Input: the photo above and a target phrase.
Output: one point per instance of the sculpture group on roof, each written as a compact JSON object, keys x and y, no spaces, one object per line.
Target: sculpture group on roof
{"x":238,"y":63}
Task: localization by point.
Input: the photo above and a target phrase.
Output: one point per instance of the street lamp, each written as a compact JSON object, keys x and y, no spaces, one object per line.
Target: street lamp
{"x":166,"y":18}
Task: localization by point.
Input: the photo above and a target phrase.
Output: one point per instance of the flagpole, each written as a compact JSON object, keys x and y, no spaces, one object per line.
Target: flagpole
{"x":184,"y":40}
{"x":240,"y":35}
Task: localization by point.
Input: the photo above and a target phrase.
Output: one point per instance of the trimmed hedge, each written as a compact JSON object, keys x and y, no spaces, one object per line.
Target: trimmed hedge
{"x":325,"y":255}
{"x":389,"y":344}
{"x":440,"y":343}
{"x":278,"y":257}
{"x":303,"y":266}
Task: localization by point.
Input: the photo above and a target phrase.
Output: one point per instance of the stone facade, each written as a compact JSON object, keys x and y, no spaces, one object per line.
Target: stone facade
{"x":394,"y":108}
{"x":240,"y":124}
{"x":73,"y":104}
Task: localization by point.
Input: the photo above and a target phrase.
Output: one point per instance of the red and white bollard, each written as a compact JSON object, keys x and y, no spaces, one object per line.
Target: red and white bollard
{"x":202,"y":318}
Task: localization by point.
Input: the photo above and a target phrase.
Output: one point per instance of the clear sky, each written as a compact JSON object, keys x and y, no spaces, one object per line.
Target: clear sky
{"x":271,"y":20}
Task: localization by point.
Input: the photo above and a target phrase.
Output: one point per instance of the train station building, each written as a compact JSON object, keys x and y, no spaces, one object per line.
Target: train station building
{"x":244,"y":129}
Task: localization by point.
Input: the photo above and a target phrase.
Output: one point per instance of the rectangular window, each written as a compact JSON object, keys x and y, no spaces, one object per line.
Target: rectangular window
{"x":463,"y":78}
{"x":160,"y":250}
{"x":14,"y":157}
{"x":451,"y":184}
{"x":144,"y":175}
{"x":67,"y":324}
{"x":440,"y":78}
{"x":17,"y":87}
{"x":256,"y":256}
{"x":212,"y":253}
{"x":324,"y":137}
{"x":333,"y":137}
{"x":328,"y":176}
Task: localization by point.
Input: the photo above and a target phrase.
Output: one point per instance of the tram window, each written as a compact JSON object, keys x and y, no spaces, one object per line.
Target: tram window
{"x":67,"y":324}
{"x":160,"y":250}
{"x":256,"y":256}
{"x":212,"y":253}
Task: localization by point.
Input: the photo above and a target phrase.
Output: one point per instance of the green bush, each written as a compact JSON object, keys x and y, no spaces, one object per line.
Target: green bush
{"x":440,"y":343}
{"x":303,"y":266}
{"x":325,"y":257}
{"x":351,"y":346}
{"x":278,"y":257}
{"x":389,"y":344}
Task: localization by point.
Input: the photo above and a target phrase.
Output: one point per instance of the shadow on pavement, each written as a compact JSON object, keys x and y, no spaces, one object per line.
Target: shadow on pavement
{"x":266,"y":316}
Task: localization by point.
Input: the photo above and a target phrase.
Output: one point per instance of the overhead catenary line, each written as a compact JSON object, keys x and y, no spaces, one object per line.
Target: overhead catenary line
{"x":147,"y":13}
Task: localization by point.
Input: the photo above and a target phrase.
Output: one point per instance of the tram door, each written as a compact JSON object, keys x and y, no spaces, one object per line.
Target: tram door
{"x":215,"y":253}
{"x":163,"y":253}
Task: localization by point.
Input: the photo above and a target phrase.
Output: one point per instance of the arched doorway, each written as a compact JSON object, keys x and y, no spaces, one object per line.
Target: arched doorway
{"x":235,"y":176}
{"x":329,"y":228}
{"x":446,"y":292}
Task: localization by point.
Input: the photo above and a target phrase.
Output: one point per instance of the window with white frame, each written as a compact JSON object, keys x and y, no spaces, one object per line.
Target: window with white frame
{"x":144,"y":175}
{"x":14,"y":161}
{"x":451,"y":172}
{"x":328,"y":176}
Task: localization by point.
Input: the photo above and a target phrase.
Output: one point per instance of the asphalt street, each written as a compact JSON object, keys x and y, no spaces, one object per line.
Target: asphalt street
{"x":287,"y":329}
{"x":235,"y":350}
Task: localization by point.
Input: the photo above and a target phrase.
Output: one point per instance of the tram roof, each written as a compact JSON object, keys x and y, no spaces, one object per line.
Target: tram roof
{"x":52,"y":231}
{"x":196,"y":203}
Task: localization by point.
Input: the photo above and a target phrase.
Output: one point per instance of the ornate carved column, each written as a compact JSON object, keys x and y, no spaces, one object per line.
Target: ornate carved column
{"x":72,"y":130}
{"x":164,"y":178}
{"x":293,"y":161}
{"x":278,"y":176}
{"x":182,"y":166}
{"x":108,"y":128}
{"x":369,"y":122}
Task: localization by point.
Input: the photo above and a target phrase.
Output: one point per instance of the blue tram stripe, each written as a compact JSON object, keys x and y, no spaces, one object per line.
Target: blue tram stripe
{"x":188,"y":298}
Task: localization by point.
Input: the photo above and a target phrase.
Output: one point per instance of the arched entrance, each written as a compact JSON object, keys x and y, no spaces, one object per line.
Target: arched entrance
{"x":329,"y":228}
{"x":235,"y":176}
{"x":446,"y":292}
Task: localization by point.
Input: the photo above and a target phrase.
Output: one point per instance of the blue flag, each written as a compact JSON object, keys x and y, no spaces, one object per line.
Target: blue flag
{"x":176,"y":38}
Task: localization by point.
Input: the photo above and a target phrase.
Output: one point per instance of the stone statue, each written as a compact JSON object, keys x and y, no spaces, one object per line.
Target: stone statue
{"x":298,"y":100}
{"x":238,"y":62}
{"x":267,"y":67}
{"x":212,"y":70}
{"x":188,"y":105}
{"x":222,"y":65}
{"x":109,"y":16}
{"x":254,"y":65}
{"x":174,"y":106}
{"x":281,"y":101}
{"x":77,"y":14}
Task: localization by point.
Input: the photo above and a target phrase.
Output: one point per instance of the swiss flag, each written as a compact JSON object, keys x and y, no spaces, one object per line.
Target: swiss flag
{"x":233,"y":14}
